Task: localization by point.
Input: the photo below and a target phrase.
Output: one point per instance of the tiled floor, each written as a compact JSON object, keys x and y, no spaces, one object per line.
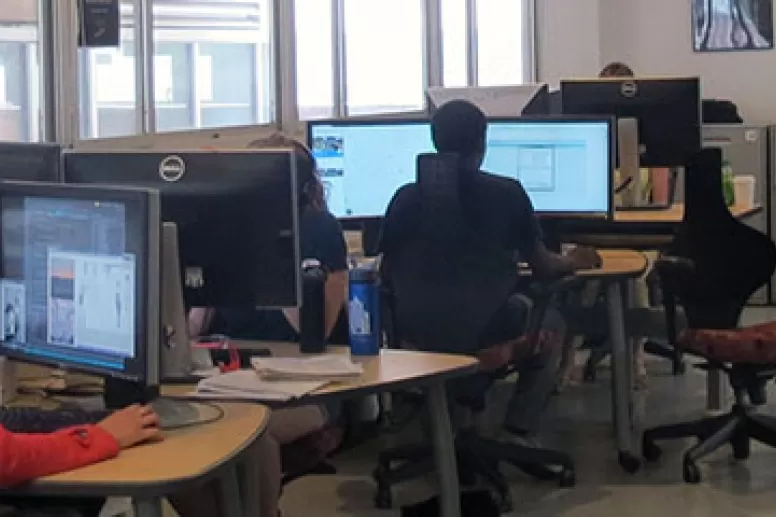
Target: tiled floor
{"x":578,"y":421}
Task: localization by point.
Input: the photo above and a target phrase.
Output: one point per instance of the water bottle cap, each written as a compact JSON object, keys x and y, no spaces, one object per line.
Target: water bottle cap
{"x":365,"y":275}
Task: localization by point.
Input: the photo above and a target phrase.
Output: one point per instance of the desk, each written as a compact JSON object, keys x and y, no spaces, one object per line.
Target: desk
{"x":619,"y":267}
{"x":393,"y":370}
{"x":188,"y":457}
{"x":637,"y":229}
{"x":674,"y":214}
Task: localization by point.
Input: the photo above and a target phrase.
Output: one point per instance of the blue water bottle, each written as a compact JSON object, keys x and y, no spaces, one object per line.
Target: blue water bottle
{"x":364,"y":312}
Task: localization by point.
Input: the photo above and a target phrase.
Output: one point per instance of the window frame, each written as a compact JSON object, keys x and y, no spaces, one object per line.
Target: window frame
{"x":278,"y":93}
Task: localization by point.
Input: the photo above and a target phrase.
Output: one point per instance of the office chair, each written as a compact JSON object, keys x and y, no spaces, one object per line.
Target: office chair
{"x":443,"y":291}
{"x":714,"y":265}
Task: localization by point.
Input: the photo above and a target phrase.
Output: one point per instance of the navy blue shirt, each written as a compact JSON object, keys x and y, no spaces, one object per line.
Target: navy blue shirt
{"x":320,"y":238}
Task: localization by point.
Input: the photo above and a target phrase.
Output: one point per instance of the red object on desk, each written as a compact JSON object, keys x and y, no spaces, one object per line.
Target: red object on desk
{"x":222,"y":344}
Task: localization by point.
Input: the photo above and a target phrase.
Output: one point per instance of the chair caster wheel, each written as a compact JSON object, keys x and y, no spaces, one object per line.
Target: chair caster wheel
{"x":741,"y":448}
{"x":629,"y":462}
{"x":589,"y":374}
{"x":378,"y":474}
{"x":680,"y":368}
{"x":650,"y":450}
{"x":567,"y":478}
{"x":383,"y":499}
{"x":691,"y":473}
{"x":505,"y":503}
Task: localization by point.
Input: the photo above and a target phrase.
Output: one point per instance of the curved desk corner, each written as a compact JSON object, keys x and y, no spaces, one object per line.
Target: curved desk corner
{"x":186,"y":456}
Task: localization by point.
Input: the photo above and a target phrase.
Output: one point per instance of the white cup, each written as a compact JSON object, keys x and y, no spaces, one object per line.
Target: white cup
{"x":743,"y":189}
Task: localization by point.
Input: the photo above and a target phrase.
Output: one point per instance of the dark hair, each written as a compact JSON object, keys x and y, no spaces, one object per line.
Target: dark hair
{"x":459,"y":127}
{"x":311,"y":192}
{"x":617,"y":69}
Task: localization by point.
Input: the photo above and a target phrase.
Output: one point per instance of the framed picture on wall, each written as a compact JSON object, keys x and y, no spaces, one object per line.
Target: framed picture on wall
{"x":732,"y":25}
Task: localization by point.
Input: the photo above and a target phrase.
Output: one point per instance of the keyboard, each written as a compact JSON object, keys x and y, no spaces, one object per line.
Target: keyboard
{"x":35,"y":420}
{"x":172,"y":415}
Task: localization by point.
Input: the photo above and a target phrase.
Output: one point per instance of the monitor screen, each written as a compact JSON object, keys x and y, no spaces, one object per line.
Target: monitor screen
{"x":73,"y":275}
{"x":565,"y":165}
{"x":362,"y":164}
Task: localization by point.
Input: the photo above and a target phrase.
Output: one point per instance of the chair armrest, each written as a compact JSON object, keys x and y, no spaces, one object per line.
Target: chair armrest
{"x":670,"y":264}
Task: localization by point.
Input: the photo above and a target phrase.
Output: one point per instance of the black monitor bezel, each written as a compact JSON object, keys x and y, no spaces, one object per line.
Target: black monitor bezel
{"x":48,"y":147}
{"x":667,"y":82}
{"x":148,"y":332}
{"x":224,"y":152}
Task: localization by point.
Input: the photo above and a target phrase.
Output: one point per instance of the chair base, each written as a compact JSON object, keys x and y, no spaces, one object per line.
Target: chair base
{"x":478,"y":458}
{"x":737,"y":428}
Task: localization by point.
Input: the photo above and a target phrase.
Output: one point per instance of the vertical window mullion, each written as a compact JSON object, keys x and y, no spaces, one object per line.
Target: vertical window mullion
{"x":145,"y":98}
{"x":46,"y":62}
{"x":287,"y":111}
{"x":472,"y":49}
{"x":433,"y":47}
{"x":339,"y":59}
{"x":530,"y":44}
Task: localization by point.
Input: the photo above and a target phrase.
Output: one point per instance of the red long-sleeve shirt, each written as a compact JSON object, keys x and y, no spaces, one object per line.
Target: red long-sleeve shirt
{"x":24,"y":457}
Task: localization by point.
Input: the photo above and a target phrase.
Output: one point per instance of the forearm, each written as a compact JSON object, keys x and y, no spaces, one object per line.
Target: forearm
{"x":24,"y":457}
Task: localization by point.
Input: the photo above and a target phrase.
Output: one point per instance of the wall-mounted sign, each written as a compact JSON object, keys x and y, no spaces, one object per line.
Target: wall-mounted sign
{"x":99,"y":23}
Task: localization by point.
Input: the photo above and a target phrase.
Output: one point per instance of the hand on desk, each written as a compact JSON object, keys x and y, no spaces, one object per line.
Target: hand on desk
{"x":585,"y":257}
{"x":132,"y":426}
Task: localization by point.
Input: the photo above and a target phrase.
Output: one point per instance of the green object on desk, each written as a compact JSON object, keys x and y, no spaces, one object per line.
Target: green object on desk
{"x":728,"y":190}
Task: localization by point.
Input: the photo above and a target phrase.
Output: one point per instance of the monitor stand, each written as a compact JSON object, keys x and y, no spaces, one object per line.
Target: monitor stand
{"x":178,"y":359}
{"x":630,"y":158}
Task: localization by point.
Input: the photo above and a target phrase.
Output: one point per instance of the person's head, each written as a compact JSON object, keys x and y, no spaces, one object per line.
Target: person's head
{"x":460,"y":127}
{"x":616,"y":69}
{"x":311,"y":191}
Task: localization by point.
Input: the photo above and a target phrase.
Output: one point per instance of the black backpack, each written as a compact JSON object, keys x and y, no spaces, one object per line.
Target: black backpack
{"x":717,"y":111}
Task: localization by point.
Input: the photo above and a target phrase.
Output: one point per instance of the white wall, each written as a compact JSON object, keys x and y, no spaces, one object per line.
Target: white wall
{"x":653,"y":37}
{"x":569,"y":38}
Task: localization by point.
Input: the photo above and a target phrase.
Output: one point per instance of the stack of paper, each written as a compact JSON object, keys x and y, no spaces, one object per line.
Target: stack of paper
{"x":246,"y":384}
{"x":331,"y":367}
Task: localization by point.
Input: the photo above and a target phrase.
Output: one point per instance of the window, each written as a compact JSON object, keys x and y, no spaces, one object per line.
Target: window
{"x":212,"y":63}
{"x":20,"y":89}
{"x":314,"y":59}
{"x":500,"y":53}
{"x":454,"y":43}
{"x":383,"y":56}
{"x":107,"y":85}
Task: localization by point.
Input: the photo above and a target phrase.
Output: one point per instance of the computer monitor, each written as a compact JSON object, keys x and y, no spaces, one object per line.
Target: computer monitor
{"x":236,"y":214}
{"x":362,"y":163}
{"x":21,"y":161}
{"x":668,"y":112}
{"x":496,"y":101}
{"x":565,"y":164}
{"x":80,"y":278}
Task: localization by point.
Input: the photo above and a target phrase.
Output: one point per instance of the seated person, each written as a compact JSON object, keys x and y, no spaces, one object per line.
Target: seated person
{"x":499,"y":210}
{"x":321,"y":238}
{"x":24,"y":457}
